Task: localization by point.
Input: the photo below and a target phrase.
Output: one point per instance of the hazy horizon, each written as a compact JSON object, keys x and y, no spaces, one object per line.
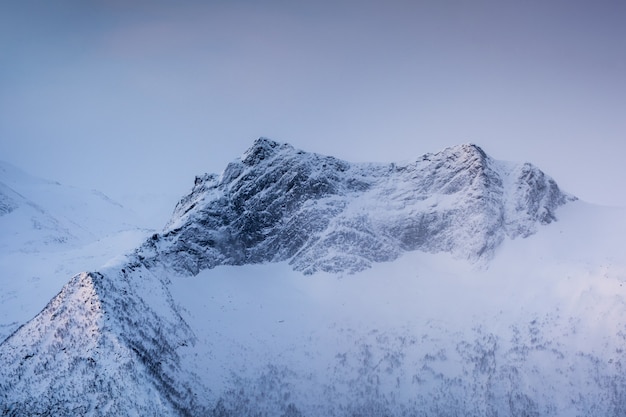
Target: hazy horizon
{"x":140,"y":98}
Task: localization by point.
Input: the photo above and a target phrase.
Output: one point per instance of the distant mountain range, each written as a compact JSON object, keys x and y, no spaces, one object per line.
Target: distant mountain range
{"x":296,"y":284}
{"x":50,"y":231}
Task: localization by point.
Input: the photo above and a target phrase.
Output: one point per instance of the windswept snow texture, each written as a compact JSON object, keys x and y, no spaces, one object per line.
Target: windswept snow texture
{"x":49,"y":232}
{"x":96,"y":349}
{"x":481,"y":304}
{"x":322,"y":214}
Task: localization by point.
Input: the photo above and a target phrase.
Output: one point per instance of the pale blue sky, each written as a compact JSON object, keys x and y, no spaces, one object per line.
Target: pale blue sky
{"x":119,"y":97}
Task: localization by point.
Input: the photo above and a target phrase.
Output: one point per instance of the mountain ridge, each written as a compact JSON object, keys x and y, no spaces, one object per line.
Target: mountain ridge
{"x":264,"y":207}
{"x":218,"y":315}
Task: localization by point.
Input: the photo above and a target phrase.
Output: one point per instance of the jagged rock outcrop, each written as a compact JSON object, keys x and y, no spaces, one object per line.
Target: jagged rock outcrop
{"x":278,"y":203}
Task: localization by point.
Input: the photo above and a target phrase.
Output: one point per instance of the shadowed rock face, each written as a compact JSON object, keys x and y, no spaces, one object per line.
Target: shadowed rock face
{"x":277,"y":203}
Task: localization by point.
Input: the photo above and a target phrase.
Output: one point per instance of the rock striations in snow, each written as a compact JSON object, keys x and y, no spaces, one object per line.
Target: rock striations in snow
{"x":323,"y":214}
{"x":295,"y":284}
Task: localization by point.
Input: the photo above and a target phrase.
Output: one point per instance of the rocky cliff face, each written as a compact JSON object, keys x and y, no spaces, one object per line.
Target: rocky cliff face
{"x":322,"y":214}
{"x":120,"y":341}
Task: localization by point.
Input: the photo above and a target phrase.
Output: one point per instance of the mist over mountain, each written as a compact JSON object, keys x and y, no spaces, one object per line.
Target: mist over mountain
{"x":296,"y":284}
{"x":50,"y":231}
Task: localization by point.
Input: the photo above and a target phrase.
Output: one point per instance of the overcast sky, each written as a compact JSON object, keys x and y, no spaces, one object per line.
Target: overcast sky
{"x":140,"y":96}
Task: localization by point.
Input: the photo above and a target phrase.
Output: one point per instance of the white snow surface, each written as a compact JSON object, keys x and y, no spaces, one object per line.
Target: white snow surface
{"x":544,"y":318}
{"x":536,"y":329}
{"x":49,"y":232}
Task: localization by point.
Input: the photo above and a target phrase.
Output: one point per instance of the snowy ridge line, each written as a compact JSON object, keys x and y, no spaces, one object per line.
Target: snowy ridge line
{"x":277,"y":203}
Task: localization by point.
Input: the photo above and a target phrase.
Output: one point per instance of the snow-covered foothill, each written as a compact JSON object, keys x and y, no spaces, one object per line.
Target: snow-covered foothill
{"x":49,"y":232}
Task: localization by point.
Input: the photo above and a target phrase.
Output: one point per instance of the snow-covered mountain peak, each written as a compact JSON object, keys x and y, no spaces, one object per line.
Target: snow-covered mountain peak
{"x":277,"y":203}
{"x":539,"y":332}
{"x":465,"y":153}
{"x":263,"y":149}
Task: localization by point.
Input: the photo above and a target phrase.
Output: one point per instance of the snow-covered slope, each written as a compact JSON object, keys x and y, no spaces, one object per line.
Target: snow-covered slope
{"x":299,"y":285}
{"x":540,"y":332}
{"x":49,"y":232}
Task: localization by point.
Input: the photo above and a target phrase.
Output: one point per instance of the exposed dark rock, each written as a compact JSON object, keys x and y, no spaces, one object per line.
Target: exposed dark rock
{"x":322,"y":214}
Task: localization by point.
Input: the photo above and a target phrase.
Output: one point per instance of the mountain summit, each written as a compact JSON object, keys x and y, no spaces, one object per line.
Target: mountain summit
{"x":295,"y":284}
{"x":319,"y":213}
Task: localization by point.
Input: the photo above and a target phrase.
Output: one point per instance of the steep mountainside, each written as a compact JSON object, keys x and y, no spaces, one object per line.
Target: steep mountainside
{"x":323,"y":214}
{"x":295,"y":284}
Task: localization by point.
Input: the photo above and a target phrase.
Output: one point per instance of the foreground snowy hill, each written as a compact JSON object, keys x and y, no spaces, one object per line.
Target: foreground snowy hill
{"x":49,"y":231}
{"x":295,"y":284}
